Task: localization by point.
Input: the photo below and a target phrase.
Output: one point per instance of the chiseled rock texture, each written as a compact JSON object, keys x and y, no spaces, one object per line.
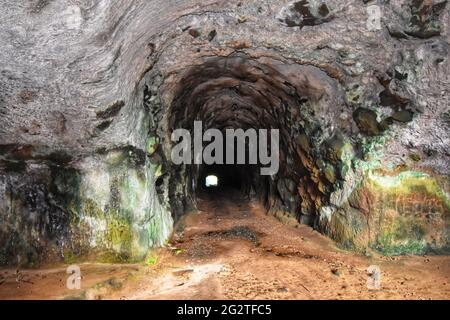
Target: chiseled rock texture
{"x":91,"y":90}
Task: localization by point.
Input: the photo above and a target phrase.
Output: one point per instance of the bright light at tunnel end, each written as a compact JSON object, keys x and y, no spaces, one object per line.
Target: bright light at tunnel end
{"x":211,"y":181}
{"x":258,"y":143}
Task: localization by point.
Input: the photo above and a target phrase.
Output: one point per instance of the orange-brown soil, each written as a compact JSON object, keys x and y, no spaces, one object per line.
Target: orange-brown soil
{"x":230,"y":249}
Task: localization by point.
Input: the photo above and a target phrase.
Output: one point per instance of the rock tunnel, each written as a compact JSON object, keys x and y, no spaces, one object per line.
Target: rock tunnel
{"x":85,"y":150}
{"x":241,"y":92}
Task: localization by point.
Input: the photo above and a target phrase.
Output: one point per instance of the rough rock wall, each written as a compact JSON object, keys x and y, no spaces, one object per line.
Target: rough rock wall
{"x":90,"y":91}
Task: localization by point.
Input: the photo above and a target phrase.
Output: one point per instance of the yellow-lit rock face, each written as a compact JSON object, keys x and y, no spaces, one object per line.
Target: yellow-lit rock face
{"x":397,"y":213}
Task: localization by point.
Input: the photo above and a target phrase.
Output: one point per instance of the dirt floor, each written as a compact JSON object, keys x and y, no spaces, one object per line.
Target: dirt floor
{"x":230,"y":249}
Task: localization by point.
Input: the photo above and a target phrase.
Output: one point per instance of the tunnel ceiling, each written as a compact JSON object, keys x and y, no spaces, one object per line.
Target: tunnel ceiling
{"x":91,"y":91}
{"x":243,"y":92}
{"x":91,"y":86}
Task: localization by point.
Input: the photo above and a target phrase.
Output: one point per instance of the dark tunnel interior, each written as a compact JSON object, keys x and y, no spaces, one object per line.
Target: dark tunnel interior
{"x":239,"y":92}
{"x":232,"y":178}
{"x":228,"y":176}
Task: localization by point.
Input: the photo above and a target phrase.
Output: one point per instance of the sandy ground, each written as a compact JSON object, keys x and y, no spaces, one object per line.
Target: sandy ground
{"x":230,"y":249}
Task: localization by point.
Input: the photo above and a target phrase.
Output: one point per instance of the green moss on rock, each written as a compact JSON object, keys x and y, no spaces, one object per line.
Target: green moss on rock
{"x":152,"y":145}
{"x":403,"y":235}
{"x":409,"y":212}
{"x":119,"y":233}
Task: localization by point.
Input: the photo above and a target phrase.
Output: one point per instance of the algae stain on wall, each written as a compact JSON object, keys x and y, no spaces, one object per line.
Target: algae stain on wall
{"x":392,"y":209}
{"x":413,"y":209}
{"x":119,"y":210}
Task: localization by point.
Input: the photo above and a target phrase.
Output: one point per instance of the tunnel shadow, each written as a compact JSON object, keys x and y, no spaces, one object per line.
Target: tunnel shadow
{"x":232,"y":182}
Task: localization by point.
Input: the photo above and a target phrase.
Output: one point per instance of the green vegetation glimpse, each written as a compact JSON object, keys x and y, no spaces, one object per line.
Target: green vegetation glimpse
{"x":151,"y":261}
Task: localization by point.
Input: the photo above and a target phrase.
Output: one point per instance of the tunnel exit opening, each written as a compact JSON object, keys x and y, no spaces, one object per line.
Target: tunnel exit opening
{"x":219,"y":178}
{"x":211,"y":181}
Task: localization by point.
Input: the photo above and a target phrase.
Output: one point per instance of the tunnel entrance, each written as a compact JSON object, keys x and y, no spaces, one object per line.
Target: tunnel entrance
{"x":243,"y":92}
